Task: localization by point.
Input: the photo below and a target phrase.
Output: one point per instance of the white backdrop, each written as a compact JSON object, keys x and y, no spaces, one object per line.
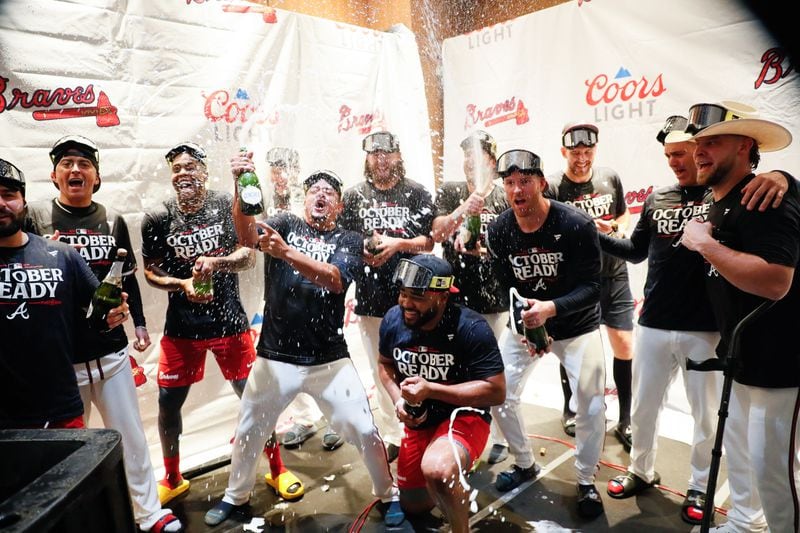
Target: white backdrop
{"x":140,"y":76}
{"x":625,"y":65}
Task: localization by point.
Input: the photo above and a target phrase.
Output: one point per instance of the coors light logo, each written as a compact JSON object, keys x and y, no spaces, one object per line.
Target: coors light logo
{"x":623,"y":97}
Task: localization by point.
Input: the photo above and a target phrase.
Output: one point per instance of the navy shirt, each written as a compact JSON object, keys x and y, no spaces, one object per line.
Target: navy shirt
{"x":602,"y":197}
{"x":404,"y":211}
{"x":303,"y":322}
{"x":461,"y":348}
{"x":560,"y":262}
{"x":769,"y":351}
{"x":177,"y":239}
{"x":477,"y":280}
{"x":675,"y":296}
{"x":45,"y":288}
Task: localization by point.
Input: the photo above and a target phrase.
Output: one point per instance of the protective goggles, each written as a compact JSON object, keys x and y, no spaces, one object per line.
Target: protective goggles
{"x":482,"y":139}
{"x":673,"y":123}
{"x":190,"y":148}
{"x":78,"y":142}
{"x":573,"y":138}
{"x":11,"y":175}
{"x":520,"y":160}
{"x":327,"y":175}
{"x":702,"y":116}
{"x":410,"y":275}
{"x":282,"y":157}
{"x":381,"y":141}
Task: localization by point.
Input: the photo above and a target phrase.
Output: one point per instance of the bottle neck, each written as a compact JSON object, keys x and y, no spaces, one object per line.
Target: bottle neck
{"x":114,"y":275}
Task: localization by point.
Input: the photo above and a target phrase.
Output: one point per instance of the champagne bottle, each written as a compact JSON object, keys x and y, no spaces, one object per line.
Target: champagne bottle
{"x":251,"y":200}
{"x":371,"y":244}
{"x":203,"y":284}
{"x":537,"y":337}
{"x":470,"y":231}
{"x":108,"y":294}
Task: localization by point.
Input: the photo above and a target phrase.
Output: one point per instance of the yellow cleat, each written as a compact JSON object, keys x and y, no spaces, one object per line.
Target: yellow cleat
{"x":288,"y":486}
{"x":166,"y":494}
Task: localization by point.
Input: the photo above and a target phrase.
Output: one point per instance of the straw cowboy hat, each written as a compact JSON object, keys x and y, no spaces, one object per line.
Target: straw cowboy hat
{"x":731,"y":118}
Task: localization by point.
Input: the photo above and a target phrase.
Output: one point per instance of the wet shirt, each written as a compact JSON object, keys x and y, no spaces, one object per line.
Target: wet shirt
{"x":461,"y":348}
{"x":303,"y":322}
{"x":476,"y":279}
{"x":675,"y":296}
{"x":45,"y":288}
{"x":560,"y":262}
{"x":177,"y":239}
{"x":405,"y":212}
{"x":97,"y":232}
{"x":602,"y":197}
{"x":770,"y":354}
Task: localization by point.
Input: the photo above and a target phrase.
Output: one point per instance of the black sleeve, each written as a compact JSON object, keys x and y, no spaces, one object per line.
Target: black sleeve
{"x":636,"y":248}
{"x":482,"y":351}
{"x":587,"y":273}
{"x":426,"y":210}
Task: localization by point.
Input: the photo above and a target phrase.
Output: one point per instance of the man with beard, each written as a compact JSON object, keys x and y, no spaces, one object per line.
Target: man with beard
{"x":101,"y":360}
{"x":394,"y":215}
{"x":751,"y":258}
{"x":45,"y":288}
{"x":455,"y":201}
{"x":549,"y":253}
{"x":670,"y":331}
{"x":598,"y":191}
{"x":436,"y":358}
{"x":302,"y":346}
{"x":193,"y":236}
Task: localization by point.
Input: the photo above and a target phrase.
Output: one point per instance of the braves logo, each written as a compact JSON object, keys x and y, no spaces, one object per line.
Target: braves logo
{"x":22,"y":310}
{"x":540,"y":285}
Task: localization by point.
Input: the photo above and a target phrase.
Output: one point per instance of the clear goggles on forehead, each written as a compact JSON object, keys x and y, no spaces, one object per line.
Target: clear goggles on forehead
{"x":573,"y":138}
{"x":62,"y":145}
{"x":381,"y":141}
{"x":673,"y":123}
{"x":194,"y":150}
{"x":521,"y":160}
{"x":410,"y":275}
{"x":703,"y":115}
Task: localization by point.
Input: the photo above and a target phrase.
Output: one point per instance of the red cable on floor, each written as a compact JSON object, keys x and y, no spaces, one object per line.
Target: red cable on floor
{"x":361,"y":519}
{"x":623,"y":469}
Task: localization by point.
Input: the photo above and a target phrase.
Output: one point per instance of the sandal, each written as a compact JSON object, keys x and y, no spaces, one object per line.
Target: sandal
{"x":630,"y":484}
{"x":161,"y":524}
{"x":167,"y":493}
{"x":220,"y":512}
{"x":288,"y":486}
{"x":693,"y":507}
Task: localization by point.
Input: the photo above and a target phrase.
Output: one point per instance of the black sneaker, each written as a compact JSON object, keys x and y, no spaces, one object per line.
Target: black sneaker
{"x":590,"y":505}
{"x":624,"y":435}
{"x":511,"y":479}
{"x":331,"y":440}
{"x":392,"y":451}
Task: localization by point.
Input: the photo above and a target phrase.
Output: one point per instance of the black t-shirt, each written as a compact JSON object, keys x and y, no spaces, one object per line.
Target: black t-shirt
{"x":475,"y":276}
{"x":303,"y":322}
{"x":461,"y":348}
{"x":770,"y":354}
{"x":176,"y":240}
{"x":560,"y":262}
{"x":405,"y":212}
{"x":45,"y":288}
{"x":97,"y":231}
{"x":602,"y":197}
{"x":675,"y":296}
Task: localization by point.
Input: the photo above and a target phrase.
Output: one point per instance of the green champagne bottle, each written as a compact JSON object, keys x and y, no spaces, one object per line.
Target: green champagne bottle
{"x":371,"y":244}
{"x":471,"y":231}
{"x":108,"y":294}
{"x":537,"y":337}
{"x":251,"y":200}
{"x":203,"y":285}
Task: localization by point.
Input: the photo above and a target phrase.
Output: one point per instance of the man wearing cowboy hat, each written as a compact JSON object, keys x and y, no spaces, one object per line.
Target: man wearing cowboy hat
{"x":671,"y":332}
{"x":751,"y":257}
